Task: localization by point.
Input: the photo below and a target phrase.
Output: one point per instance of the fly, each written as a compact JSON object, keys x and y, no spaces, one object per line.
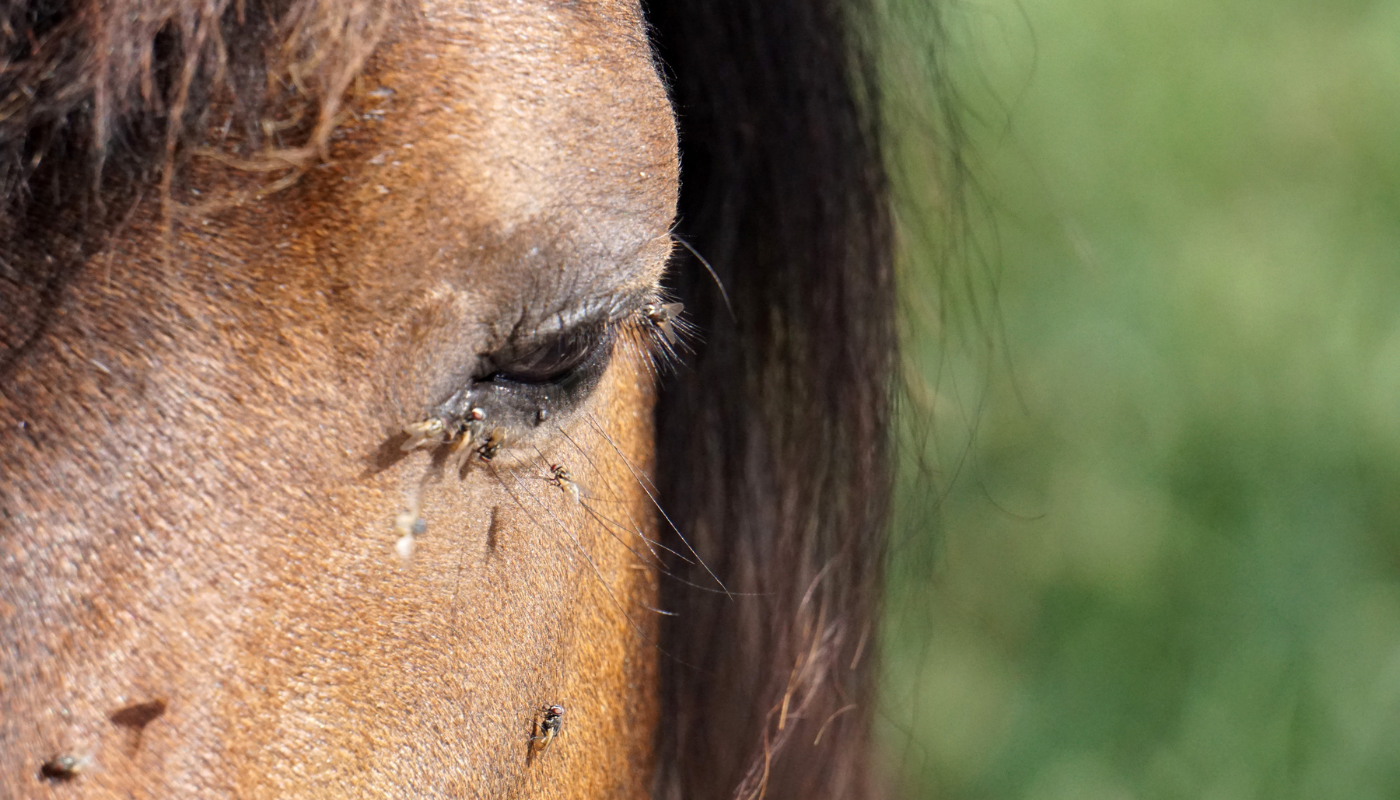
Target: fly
{"x":66,"y":767}
{"x":423,"y":433}
{"x":552,"y":719}
{"x":559,"y":476}
{"x":494,"y":442}
{"x":663,"y":316}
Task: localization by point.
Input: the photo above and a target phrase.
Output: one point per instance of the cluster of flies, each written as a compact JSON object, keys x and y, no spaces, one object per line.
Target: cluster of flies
{"x":469,"y":434}
{"x":458,"y":436}
{"x":463,"y":436}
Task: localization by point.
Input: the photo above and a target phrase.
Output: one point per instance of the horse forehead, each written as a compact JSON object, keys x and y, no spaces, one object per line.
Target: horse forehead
{"x":549,"y":132}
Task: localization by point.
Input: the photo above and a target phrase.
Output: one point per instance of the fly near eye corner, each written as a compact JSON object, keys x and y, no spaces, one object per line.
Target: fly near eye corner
{"x":467,"y":430}
{"x":422,"y":433}
{"x":492,"y":446}
{"x":436,"y":430}
{"x":663,"y":316}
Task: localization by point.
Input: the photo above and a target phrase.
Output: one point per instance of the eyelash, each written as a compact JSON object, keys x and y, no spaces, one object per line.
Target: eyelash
{"x":656,"y":328}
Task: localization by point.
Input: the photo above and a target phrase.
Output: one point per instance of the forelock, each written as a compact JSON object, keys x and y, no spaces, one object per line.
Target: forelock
{"x":96,"y":94}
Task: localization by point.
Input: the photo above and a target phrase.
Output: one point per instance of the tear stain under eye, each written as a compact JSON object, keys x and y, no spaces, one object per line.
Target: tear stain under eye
{"x":459,"y":441}
{"x":410,"y":526}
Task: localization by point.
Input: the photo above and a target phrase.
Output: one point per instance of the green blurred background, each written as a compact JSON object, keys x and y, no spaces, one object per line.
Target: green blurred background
{"x":1148,"y":537}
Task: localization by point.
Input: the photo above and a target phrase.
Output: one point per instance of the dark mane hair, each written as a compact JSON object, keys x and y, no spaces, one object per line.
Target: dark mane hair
{"x":80,"y":76}
{"x":774,"y":444}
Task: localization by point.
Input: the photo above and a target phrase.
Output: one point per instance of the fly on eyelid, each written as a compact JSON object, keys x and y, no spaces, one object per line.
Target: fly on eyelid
{"x":663,"y":316}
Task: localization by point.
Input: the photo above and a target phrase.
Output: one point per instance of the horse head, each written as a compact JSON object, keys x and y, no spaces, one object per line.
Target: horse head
{"x":328,"y":456}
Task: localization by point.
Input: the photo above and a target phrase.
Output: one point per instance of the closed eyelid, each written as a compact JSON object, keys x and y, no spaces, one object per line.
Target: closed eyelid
{"x":544,"y":356}
{"x":608,"y":308}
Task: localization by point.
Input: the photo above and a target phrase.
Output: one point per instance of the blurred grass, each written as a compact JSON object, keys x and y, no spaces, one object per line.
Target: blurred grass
{"x":1148,"y":539}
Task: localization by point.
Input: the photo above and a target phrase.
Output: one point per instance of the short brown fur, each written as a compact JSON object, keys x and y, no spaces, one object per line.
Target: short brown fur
{"x":195,"y":509}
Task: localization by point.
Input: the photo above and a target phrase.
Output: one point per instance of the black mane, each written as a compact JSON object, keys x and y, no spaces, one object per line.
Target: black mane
{"x":774,"y":445}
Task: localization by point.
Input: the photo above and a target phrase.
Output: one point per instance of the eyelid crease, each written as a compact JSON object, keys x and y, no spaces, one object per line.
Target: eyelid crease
{"x":610,"y":308}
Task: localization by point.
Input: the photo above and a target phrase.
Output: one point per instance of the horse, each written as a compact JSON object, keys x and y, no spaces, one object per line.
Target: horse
{"x":353,"y":442}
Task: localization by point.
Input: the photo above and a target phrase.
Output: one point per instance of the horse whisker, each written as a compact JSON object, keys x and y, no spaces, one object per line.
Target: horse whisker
{"x":516,"y":498}
{"x":718,"y":283}
{"x":592,"y":420}
{"x":659,"y":569}
{"x":635,"y":527}
{"x":598,"y":573}
{"x":584,"y":552}
{"x":650,"y":542}
{"x":611,"y":532}
{"x":602,"y":519}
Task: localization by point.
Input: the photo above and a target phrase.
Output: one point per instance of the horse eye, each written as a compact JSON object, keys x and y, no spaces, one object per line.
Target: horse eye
{"x":523,"y":383}
{"x":555,"y":359}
